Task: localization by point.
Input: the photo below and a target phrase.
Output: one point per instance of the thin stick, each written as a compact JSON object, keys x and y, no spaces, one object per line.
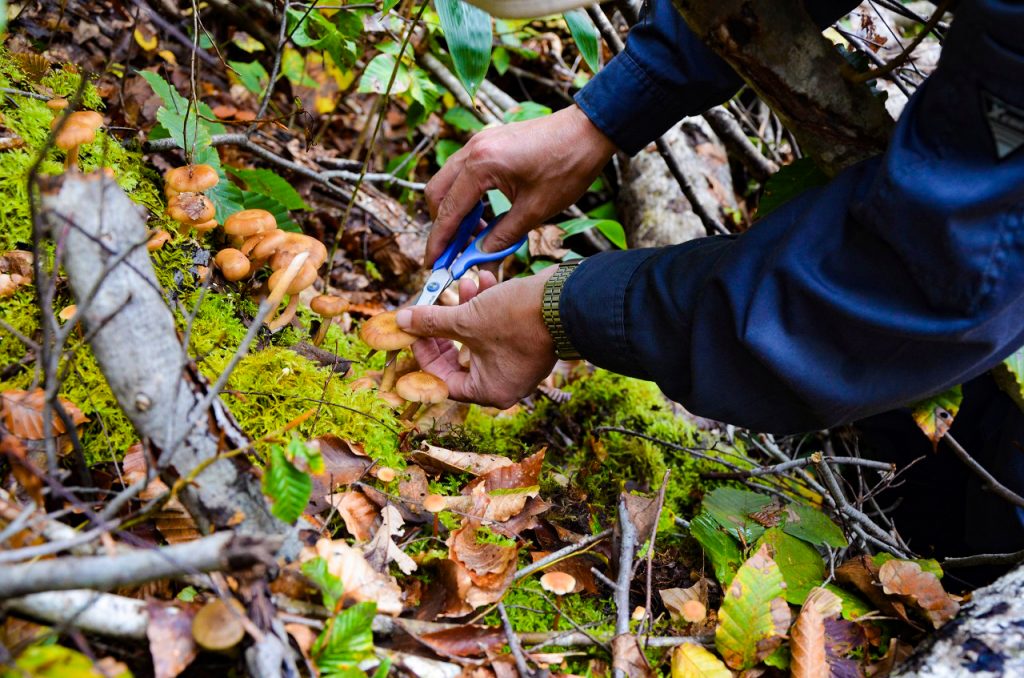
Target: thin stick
{"x":650,"y":554}
{"x":800,"y":463}
{"x":985,"y":559}
{"x":991,"y":483}
{"x":560,"y":554}
{"x":627,"y":547}
{"x":513,"y":643}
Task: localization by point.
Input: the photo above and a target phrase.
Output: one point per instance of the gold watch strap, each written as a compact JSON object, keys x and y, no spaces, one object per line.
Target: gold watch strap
{"x":551,"y":313}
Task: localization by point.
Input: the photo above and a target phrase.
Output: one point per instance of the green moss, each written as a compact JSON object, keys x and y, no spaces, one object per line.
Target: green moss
{"x":529,"y":612}
{"x":21,"y":311}
{"x":484,"y":535}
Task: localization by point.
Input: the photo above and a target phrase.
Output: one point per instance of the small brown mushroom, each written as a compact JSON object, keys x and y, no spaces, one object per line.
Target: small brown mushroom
{"x":232,"y":264}
{"x":206,"y":226}
{"x":57,"y":104}
{"x":386,"y":474}
{"x":362,"y":384}
{"x":190,"y":209}
{"x":247,"y":223}
{"x":190,"y":179}
{"x":217,"y":626}
{"x":420,"y":388}
{"x":435,"y":503}
{"x":157,"y":240}
{"x":381,"y":333}
{"x":558,"y":584}
{"x":694,"y":611}
{"x":79,"y":128}
{"x":391,"y":398}
{"x":328,"y":307}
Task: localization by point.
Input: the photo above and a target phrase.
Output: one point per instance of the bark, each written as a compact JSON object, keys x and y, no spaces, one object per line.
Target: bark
{"x":133,"y":336}
{"x":776,"y":48}
{"x":985,"y":639}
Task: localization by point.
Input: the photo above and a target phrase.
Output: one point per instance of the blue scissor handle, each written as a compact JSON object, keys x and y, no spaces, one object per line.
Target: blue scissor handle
{"x":466,"y":229}
{"x":474,"y":255}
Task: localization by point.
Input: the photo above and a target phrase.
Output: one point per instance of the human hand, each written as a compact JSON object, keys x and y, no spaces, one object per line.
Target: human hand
{"x":511,"y":350}
{"x":542,"y":166}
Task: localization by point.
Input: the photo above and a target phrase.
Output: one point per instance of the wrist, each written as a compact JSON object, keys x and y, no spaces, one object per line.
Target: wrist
{"x":596,"y":143}
{"x":551,"y":310}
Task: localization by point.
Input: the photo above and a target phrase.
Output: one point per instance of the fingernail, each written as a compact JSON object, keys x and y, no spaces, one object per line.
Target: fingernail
{"x":404,"y":318}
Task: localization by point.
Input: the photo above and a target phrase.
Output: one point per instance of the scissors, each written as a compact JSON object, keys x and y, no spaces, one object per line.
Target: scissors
{"x":461,"y":255}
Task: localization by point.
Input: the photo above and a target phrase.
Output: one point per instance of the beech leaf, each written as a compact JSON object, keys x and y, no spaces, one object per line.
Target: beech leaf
{"x":693,"y":661}
{"x":801,"y":565}
{"x":754,"y":616}
{"x":23,"y":413}
{"x":919,"y":588}
{"x":935,"y":415}
{"x":808,"y":656}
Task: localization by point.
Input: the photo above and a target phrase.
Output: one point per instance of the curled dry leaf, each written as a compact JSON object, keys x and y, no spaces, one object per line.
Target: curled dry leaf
{"x":506,"y":490}
{"x":172,"y":520}
{"x":361,"y":582}
{"x":464,"y":640}
{"x":861,"y":573}
{"x":413,"y":489}
{"x":23,"y":413}
{"x":807,"y":641}
{"x":628,"y":657}
{"x":918,"y":588}
{"x":15,"y":271}
{"x":440,"y":459}
{"x":344,"y":464}
{"x":546,"y":241}
{"x":25,"y":472}
{"x":358,"y":513}
{"x":674,"y":599}
{"x":643,"y":513}
{"x":479,"y":572}
{"x":383,"y":549}
{"x":170,"y":637}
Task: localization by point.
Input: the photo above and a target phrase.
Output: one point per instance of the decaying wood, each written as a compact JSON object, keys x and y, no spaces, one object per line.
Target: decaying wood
{"x":133,"y":336}
{"x":781,"y":54}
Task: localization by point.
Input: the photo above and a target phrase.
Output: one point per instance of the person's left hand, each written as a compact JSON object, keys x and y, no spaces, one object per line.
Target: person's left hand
{"x":510,"y":347}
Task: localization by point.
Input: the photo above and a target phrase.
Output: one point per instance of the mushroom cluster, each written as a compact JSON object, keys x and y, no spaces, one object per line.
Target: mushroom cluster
{"x":186,"y":202}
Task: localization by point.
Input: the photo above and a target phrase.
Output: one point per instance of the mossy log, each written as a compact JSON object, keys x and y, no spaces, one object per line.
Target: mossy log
{"x":133,"y":336}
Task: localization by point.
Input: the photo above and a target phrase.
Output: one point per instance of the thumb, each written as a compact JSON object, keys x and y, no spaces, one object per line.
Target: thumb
{"x":431,"y":321}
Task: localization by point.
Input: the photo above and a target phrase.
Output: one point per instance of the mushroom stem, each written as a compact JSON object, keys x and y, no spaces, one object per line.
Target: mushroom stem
{"x":71,"y":162}
{"x":410,"y":411}
{"x":436,"y":521}
{"x":277,"y":294}
{"x":285,"y":317}
{"x":558,"y":613}
{"x":387,"y":380}
{"x":321,"y":333}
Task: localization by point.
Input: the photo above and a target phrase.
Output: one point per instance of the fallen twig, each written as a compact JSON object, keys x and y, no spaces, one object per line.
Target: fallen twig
{"x":985,"y":559}
{"x":513,"y":644}
{"x":561,"y":553}
{"x":990,"y":481}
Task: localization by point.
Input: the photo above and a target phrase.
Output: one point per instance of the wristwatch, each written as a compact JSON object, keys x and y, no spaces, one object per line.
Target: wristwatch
{"x":551,"y":313}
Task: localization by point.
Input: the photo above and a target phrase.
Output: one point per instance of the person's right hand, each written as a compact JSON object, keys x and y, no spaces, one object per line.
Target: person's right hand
{"x":542,"y":166}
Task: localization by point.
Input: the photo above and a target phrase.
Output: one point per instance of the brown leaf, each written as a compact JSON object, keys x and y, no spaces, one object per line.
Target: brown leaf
{"x":916,"y":587}
{"x":627,"y":656}
{"x":413,"y":489}
{"x":506,"y":490}
{"x":173,"y":521}
{"x":862,"y":574}
{"x":465,"y":640}
{"x":170,"y":638}
{"x":383,"y":550}
{"x":643,"y":512}
{"x":546,"y":241}
{"x":344,"y":464}
{"x":23,"y":413}
{"x":361,"y":582}
{"x":483,"y":570}
{"x":807,"y":637}
{"x":29,"y":477}
{"x":358,"y":513}
{"x":458,"y":462}
{"x":577,"y":565}
{"x":16,"y":265}
{"x":674,"y":599}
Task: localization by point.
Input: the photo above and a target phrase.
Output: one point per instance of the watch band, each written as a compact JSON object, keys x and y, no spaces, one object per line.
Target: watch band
{"x":551,"y":313}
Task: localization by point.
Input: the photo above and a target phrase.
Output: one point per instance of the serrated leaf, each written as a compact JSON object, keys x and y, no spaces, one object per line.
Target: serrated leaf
{"x":1009,"y":375}
{"x":331,"y":588}
{"x":754,"y":616}
{"x":731,"y":508}
{"x":377,"y":75}
{"x":253,"y":201}
{"x":811,"y":525}
{"x":271,"y":184}
{"x":227,"y":198}
{"x":314,"y":30}
{"x":177,"y":103}
{"x":253,"y":75}
{"x":721,"y":548}
{"x":789,"y":182}
{"x":586,"y":36}
{"x":609,"y":228}
{"x":807,"y":645}
{"x":467,"y":30}
{"x":347,"y":640}
{"x":288,"y":487}
{"x":693,"y":661}
{"x":801,"y":565}
{"x":935,"y":415}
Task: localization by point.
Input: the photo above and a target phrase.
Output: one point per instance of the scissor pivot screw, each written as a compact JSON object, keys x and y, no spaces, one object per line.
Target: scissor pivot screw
{"x":432,"y":287}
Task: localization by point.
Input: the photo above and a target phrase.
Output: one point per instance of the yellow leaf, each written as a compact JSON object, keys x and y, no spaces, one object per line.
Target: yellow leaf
{"x":449,"y":100}
{"x":168,"y":56}
{"x":147,"y":43}
{"x":324,"y":104}
{"x":693,"y":661}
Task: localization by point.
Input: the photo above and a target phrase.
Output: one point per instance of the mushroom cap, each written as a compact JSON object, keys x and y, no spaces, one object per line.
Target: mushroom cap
{"x":362,"y":383}
{"x":329,"y":305}
{"x":157,"y":240}
{"x":218,"y":626}
{"x":305,"y":278}
{"x":206,"y":226}
{"x":90,"y":119}
{"x":74,"y":135}
{"x":232,"y":263}
{"x":638,"y":613}
{"x":191,"y":178}
{"x":421,"y":387}
{"x":68,"y":312}
{"x":694,"y":611}
{"x":381,"y":333}
{"x":293,"y":245}
{"x":391,"y":398}
{"x":386,"y":474}
{"x":558,"y":583}
{"x":190,"y":208}
{"x":57,"y":104}
{"x":435,"y":503}
{"x":250,"y":222}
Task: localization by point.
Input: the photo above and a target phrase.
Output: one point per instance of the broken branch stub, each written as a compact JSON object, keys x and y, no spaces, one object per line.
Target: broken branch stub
{"x":134,"y":339}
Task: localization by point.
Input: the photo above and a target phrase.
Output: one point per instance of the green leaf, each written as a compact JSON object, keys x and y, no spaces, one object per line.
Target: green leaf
{"x":346,"y":641}
{"x":721,"y":548}
{"x":252,"y":75}
{"x":444,"y":150}
{"x":377,"y":75}
{"x":500,"y":58}
{"x":935,"y":415}
{"x":801,"y":565}
{"x":731,"y":508}
{"x":467,"y":30}
{"x":187,"y":594}
{"x":315,"y":31}
{"x":425,"y":95}
{"x":3,"y":16}
{"x":246,"y":42}
{"x":1009,"y":374}
{"x":257,"y":201}
{"x":526,"y":110}
{"x":499,"y":203}
{"x":287,"y":486}
{"x":463,"y":119}
{"x":609,"y":228}
{"x":754,"y":616}
{"x":854,"y":607}
{"x":175,"y":102}
{"x":926,"y":564}
{"x":227,"y":198}
{"x":331,"y":588}
{"x":811,"y":525}
{"x":270,"y":183}
{"x":789,"y":182}
{"x":586,"y":36}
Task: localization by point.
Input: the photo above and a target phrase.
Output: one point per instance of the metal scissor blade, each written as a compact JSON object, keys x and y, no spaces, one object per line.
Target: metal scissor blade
{"x":437,"y":283}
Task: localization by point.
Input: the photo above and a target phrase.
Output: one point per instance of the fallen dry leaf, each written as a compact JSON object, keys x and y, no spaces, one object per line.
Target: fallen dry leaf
{"x":465,"y":640}
{"x":862,"y":574}
{"x":383,"y":549}
{"x":643,"y":513}
{"x":918,"y":588}
{"x":23,"y":413}
{"x":440,"y":459}
{"x":506,"y":489}
{"x":413,"y":489}
{"x":28,"y":476}
{"x":807,"y":637}
{"x":344,"y":464}
{"x":628,"y":657}
{"x":170,"y":637}
{"x":361,"y":581}
{"x":172,"y":520}
{"x":674,"y":599}
{"x":546,"y":241}
{"x":359,"y":513}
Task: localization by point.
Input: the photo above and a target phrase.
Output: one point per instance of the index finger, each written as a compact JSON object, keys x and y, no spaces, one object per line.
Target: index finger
{"x":463,"y":195}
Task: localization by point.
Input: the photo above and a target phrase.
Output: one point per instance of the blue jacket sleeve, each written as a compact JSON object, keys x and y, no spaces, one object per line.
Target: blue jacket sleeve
{"x":902,"y":277}
{"x":665,"y":74}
